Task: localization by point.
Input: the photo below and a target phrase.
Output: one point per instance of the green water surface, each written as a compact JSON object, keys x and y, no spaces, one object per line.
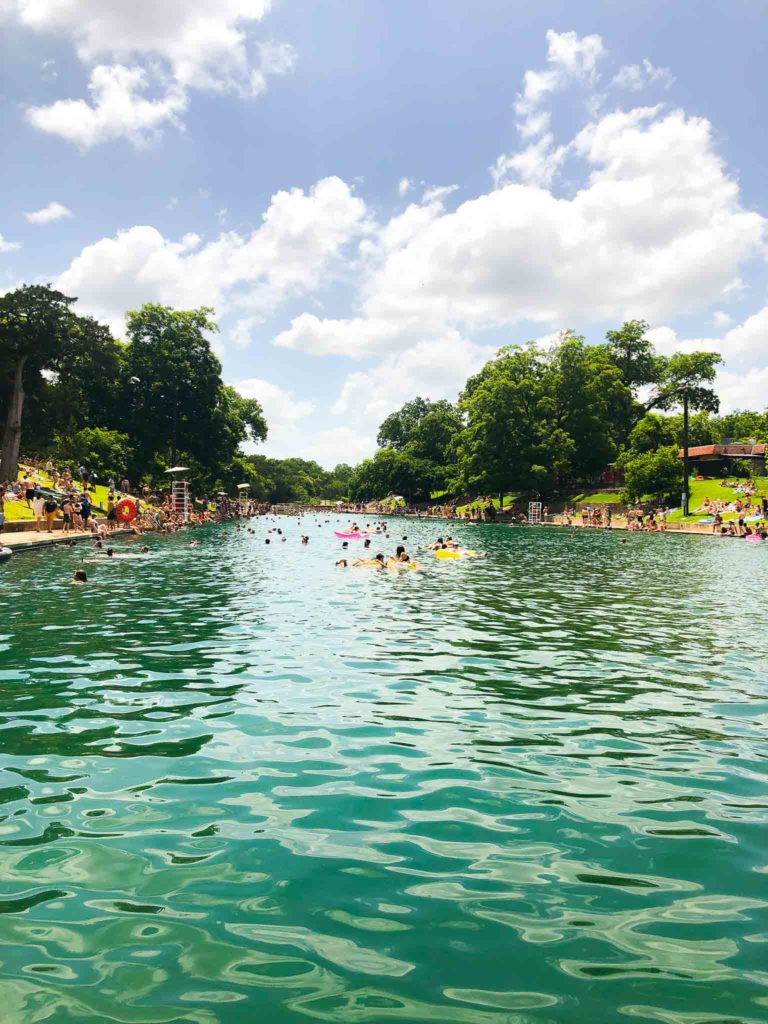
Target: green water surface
{"x":240,"y":785}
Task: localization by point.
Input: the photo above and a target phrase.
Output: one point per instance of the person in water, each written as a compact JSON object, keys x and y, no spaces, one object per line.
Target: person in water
{"x":80,"y":576}
{"x":342,"y":563}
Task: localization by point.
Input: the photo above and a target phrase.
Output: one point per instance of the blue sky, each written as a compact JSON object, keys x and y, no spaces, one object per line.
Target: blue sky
{"x":374,"y":196}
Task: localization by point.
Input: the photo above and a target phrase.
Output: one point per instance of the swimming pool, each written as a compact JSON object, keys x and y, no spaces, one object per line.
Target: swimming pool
{"x":240,"y":784}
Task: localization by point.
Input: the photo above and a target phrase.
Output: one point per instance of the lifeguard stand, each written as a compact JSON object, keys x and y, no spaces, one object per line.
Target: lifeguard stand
{"x":534,"y":511}
{"x":244,"y":494}
{"x":179,"y":493}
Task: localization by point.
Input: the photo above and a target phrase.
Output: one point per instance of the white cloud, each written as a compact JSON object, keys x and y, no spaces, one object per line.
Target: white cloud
{"x":279,"y":405}
{"x":742,"y":344}
{"x":739,"y":384}
{"x":404,"y":186}
{"x":638,"y":76}
{"x":571,"y":59}
{"x":656,"y":230}
{"x":537,"y":164}
{"x":720,"y":319}
{"x":6,"y":246}
{"x":176,"y":44}
{"x":117,"y":109}
{"x":294,"y":250}
{"x":434,"y":368}
{"x":356,"y":338}
{"x":747,"y":390}
{"x":53,"y":211}
{"x":326,"y":445}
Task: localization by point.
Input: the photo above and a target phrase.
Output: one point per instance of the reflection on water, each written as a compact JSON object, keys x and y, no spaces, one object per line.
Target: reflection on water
{"x":238,"y":783}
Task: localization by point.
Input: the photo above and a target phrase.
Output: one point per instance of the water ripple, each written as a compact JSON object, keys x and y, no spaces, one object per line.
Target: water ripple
{"x":237,"y":782}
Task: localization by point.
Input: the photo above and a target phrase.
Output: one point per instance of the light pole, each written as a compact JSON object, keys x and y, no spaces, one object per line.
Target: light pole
{"x":685,"y":453}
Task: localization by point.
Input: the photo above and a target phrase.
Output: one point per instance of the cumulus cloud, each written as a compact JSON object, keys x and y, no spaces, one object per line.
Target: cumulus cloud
{"x":435,"y":368}
{"x":301,"y":236}
{"x":639,"y":76}
{"x":747,"y":390}
{"x":176,"y":45}
{"x":570,"y":59}
{"x":744,"y":343}
{"x":52,"y":212}
{"x":404,"y":186}
{"x":6,"y":246}
{"x":656,"y":228}
{"x":117,"y":109}
{"x":537,"y":164}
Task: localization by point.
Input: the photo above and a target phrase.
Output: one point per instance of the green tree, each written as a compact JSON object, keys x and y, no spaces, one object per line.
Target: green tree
{"x":107,"y":451}
{"x":84,"y":388}
{"x":536,"y":420}
{"x":633,"y":354}
{"x":397,"y":429}
{"x":391,"y":472}
{"x":590,"y":400}
{"x":651,"y":432}
{"x":685,"y":380}
{"x":35,"y":321}
{"x":743,"y":425}
{"x":653,"y":474}
{"x":176,"y":404}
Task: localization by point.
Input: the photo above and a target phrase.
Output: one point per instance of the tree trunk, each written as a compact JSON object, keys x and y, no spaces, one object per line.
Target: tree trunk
{"x":9,"y":461}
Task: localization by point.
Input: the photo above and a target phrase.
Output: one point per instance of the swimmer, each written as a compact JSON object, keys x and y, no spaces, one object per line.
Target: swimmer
{"x":367,"y":542}
{"x":305,"y":540}
{"x":342,"y":563}
{"x":345,"y":545}
{"x":80,"y":576}
{"x":193,"y":543}
{"x":267,"y":541}
{"x":110,"y":552}
{"x":143,"y":550}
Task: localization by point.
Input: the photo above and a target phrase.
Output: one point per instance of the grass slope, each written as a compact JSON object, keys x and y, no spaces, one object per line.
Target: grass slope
{"x":17,"y":511}
{"x":713,"y":489}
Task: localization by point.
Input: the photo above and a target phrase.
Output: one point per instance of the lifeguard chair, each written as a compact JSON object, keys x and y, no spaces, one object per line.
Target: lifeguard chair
{"x":179,"y":492}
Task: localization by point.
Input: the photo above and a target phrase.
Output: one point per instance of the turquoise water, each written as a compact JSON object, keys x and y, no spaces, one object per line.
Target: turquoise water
{"x":240,"y":785}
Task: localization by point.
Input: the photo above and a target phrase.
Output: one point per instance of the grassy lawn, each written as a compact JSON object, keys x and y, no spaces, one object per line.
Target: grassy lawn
{"x":701,"y":489}
{"x":17,"y":511}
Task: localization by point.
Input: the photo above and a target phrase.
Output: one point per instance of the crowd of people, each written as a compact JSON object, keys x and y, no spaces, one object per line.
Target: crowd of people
{"x":55,"y":495}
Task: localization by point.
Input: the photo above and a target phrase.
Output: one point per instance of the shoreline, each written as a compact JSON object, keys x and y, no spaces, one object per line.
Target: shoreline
{"x":691,"y":529}
{"x":29,"y":540}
